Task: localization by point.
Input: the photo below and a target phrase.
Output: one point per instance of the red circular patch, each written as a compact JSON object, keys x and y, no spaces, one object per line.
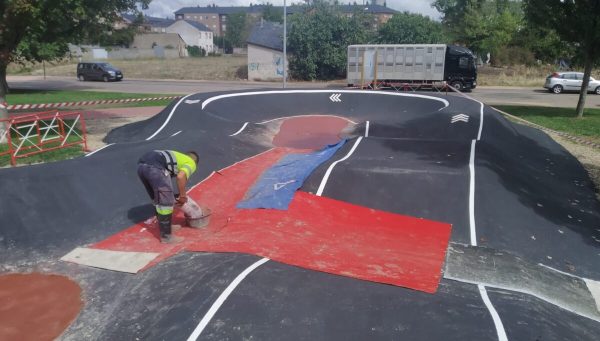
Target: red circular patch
{"x":310,"y":132}
{"x":37,"y":306}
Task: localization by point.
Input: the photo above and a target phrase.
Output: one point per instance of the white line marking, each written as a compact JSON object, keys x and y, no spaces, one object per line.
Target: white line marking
{"x":221,"y":299}
{"x":486,"y":300}
{"x":275,"y":92}
{"x":367,"y":130}
{"x":560,"y":272}
{"x":550,"y":300}
{"x":480,"y":112}
{"x":177,"y":133}
{"x":480,"y":121}
{"x":241,"y":129}
{"x":99,"y":149}
{"x":472,"y":195}
{"x":285,"y":117}
{"x":168,"y":118}
{"x":328,"y":173}
{"x":215,"y":307}
{"x":497,"y":321}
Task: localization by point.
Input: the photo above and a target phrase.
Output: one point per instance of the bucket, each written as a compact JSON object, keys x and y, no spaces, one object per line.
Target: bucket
{"x":199,"y":222}
{"x":195,"y":216}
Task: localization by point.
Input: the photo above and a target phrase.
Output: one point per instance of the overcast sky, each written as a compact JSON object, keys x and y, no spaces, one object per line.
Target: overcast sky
{"x":165,"y":8}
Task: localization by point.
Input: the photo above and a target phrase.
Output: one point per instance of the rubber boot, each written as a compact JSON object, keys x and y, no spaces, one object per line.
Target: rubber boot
{"x":164,"y":225}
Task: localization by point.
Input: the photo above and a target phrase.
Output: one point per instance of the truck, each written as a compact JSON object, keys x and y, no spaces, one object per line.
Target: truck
{"x":411,"y":65}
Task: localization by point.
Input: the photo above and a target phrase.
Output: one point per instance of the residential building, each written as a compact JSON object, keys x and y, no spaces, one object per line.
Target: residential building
{"x":149,"y":24}
{"x":193,"y":33}
{"x":265,"y":52}
{"x":215,"y":17}
{"x":161,"y":44}
{"x":157,"y":25}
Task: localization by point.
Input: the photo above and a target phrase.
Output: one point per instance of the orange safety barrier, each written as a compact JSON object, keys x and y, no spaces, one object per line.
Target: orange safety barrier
{"x":42,"y":132}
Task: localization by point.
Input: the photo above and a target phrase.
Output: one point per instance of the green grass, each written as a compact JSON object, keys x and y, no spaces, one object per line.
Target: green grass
{"x":560,"y":119}
{"x":54,"y":155}
{"x":46,"y":96}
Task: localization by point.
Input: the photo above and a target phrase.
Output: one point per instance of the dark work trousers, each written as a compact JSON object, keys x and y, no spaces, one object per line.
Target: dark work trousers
{"x":158,"y":185}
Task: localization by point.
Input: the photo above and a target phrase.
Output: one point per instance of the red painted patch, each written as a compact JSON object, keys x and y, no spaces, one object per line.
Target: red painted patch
{"x":310,"y":132}
{"x":315,"y":233}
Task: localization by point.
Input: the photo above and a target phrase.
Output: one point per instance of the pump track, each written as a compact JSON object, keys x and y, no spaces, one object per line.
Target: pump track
{"x":434,"y":219}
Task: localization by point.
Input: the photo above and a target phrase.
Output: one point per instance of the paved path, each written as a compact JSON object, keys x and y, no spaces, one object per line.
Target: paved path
{"x":488,"y":95}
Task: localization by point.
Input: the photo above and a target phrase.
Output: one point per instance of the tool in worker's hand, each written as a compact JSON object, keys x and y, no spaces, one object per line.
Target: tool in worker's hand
{"x":195,"y":216}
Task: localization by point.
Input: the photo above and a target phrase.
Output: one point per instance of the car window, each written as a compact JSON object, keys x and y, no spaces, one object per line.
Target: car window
{"x":570,"y":76}
{"x":579,"y":76}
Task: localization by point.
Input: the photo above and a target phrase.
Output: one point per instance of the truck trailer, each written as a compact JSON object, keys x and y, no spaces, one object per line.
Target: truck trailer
{"x":413,"y":65}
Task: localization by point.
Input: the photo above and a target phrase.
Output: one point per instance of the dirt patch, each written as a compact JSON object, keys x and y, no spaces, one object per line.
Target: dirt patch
{"x":36,"y":306}
{"x":97,"y":128}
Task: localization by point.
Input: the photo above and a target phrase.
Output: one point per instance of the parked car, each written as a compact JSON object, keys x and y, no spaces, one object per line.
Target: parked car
{"x":569,"y":81}
{"x":98,"y":71}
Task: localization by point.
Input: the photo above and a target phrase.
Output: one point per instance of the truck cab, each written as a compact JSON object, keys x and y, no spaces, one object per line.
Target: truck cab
{"x":461,"y":70}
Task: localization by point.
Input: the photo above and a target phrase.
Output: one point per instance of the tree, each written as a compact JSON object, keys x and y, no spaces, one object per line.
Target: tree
{"x":237,"y":29}
{"x":482,"y":25}
{"x":33,"y":30}
{"x":576,"y":22}
{"x":318,"y":40}
{"x":270,"y":13}
{"x":408,"y":28}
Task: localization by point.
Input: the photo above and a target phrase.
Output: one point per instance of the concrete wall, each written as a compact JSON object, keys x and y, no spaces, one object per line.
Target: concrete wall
{"x":265,"y":64}
{"x":192,"y":36}
{"x":123,"y":53}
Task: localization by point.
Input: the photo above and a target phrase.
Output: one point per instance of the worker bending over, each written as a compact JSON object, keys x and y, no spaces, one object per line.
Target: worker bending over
{"x":155,"y":169}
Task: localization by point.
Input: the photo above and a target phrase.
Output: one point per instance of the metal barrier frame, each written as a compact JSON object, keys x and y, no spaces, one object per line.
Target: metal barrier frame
{"x":39,"y":133}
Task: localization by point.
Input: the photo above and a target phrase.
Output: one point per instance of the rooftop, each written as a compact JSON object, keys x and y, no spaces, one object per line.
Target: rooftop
{"x":372,"y":9}
{"x":267,"y":34}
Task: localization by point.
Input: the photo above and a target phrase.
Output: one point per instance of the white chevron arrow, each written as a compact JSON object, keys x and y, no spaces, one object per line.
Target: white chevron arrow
{"x":335,"y":97}
{"x":459,"y":118}
{"x":281,"y":185}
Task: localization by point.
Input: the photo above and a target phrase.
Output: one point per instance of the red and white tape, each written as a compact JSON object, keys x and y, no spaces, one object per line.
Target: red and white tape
{"x":84,"y":103}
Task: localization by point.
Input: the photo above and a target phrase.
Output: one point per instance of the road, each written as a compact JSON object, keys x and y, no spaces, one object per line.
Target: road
{"x":488,"y":95}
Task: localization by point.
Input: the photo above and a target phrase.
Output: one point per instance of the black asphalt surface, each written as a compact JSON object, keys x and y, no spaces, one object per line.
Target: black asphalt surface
{"x":532,"y":199}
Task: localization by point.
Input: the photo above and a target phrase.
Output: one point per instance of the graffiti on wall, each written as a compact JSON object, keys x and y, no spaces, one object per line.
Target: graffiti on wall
{"x":278,"y":62}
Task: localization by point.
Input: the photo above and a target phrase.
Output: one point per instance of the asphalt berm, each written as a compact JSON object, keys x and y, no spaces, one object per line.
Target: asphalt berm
{"x":436,"y":219}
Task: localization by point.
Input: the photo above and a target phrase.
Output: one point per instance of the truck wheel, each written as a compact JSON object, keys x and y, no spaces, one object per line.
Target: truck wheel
{"x":557,"y":89}
{"x":597,"y":91}
{"x":81,"y":78}
{"x":458,"y":85}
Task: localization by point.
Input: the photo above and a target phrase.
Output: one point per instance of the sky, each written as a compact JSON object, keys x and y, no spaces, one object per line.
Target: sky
{"x":165,"y":8}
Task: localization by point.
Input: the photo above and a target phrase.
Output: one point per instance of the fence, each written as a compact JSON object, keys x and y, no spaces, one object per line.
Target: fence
{"x":28,"y":135}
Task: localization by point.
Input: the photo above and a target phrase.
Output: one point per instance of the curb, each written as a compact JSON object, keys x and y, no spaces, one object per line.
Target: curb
{"x":84,"y":103}
{"x":531,"y":124}
{"x":559,"y":133}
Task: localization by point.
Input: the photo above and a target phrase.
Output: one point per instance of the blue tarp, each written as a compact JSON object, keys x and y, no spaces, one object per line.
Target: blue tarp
{"x":277,"y":185}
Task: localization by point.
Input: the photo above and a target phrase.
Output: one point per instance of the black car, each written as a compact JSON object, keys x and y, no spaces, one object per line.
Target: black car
{"x":98,"y":71}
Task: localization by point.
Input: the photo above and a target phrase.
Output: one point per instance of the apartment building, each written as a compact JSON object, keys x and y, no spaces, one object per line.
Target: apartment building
{"x":215,"y":17}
